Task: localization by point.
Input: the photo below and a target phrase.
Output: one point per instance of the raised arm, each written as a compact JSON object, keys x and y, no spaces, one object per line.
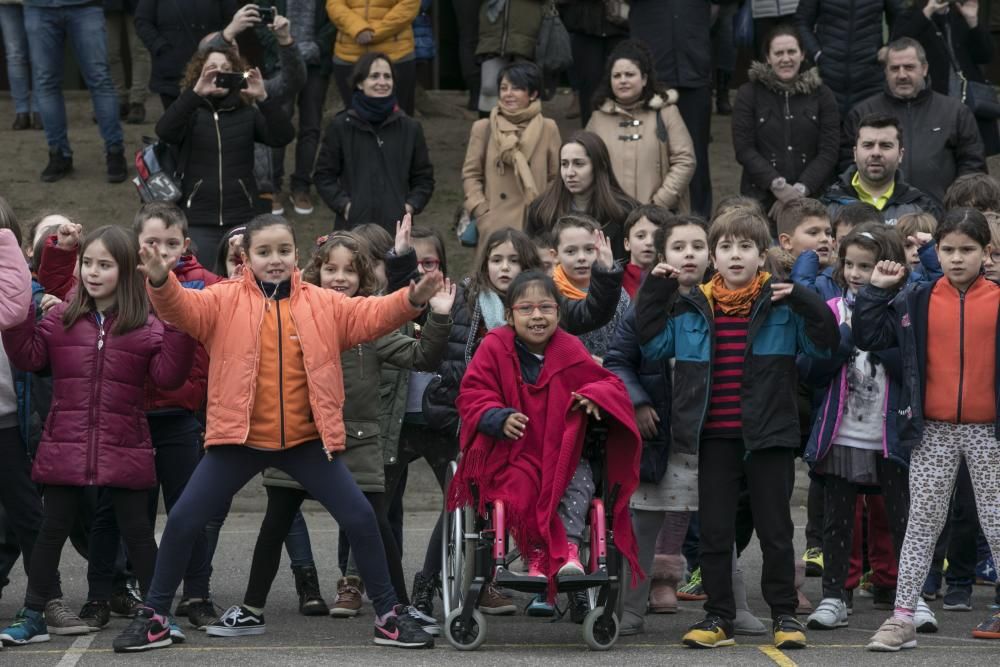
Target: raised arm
{"x":362,"y":319}
{"x":874,"y":320}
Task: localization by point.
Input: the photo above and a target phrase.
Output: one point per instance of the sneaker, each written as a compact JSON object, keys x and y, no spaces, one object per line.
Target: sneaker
{"x":399,"y":628}
{"x":883,"y":598}
{"x":789,"y":633}
{"x":813,"y":558}
{"x":125,"y":600}
{"x":311,"y":601}
{"x":712,"y":632}
{"x":201,"y":613}
{"x":579,"y":606}
{"x":147,"y":630}
{"x":988,"y":629}
{"x":986,"y":572}
{"x":539,"y":608}
{"x":302,"y":203}
{"x":348,"y":602}
{"x":923,"y":618}
{"x":958,"y":598}
{"x":28,"y":628}
{"x":277,"y":203}
{"x":424,"y":590}
{"x":932,"y":586}
{"x":865,"y":585}
{"x":849,"y":601}
{"x":831,"y":613}
{"x":572,"y":567}
{"x":58,"y":167}
{"x":894,"y":635}
{"x":96,"y":614}
{"x":136,"y":114}
{"x":493,"y":602}
{"x":693,"y":589}
{"x":238,"y":621}
{"x":117,"y":170}
{"x":175,"y":631}
{"x":429,"y":624}
{"x":535,"y":560}
{"x":62,"y":621}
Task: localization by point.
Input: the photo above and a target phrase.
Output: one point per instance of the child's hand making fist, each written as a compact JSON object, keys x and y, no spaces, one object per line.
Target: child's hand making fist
{"x":887,"y":274}
{"x":68,"y":235}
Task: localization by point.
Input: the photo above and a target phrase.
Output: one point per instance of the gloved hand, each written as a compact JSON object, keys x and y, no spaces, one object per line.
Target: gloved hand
{"x":785,"y":192}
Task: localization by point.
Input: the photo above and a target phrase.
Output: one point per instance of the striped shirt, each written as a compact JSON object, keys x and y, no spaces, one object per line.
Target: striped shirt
{"x":729,"y":347}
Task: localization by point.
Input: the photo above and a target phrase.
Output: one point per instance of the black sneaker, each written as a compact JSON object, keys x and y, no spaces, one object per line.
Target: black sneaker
{"x":58,"y":167}
{"x":428,"y":623}
{"x":712,"y":632}
{"x":237,"y":622}
{"x":789,"y":633}
{"x":883,"y":598}
{"x":422,"y":597}
{"x":958,"y":598}
{"x":147,"y":630}
{"x":115,"y":160}
{"x":579,"y":606}
{"x":400,"y":628}
{"x":126,"y":599}
{"x":201,"y":613}
{"x":96,"y":614}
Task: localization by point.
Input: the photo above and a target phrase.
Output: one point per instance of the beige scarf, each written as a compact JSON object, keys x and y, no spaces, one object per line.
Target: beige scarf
{"x":516,"y":136}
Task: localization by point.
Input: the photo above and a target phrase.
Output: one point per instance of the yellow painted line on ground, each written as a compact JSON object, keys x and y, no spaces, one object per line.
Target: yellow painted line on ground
{"x":777,"y":656}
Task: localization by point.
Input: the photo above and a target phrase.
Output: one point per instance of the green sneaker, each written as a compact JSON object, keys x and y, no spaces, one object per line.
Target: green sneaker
{"x":692,"y":590}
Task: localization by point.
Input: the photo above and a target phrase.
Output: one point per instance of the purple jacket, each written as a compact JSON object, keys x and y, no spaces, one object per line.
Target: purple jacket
{"x":96,"y":432}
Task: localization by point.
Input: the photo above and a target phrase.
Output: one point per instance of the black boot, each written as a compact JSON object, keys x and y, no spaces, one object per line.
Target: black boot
{"x":22,"y":121}
{"x":311,"y":602}
{"x":117,"y":169}
{"x":422,"y":595}
{"x":722,"y":105}
{"x":59,"y":165}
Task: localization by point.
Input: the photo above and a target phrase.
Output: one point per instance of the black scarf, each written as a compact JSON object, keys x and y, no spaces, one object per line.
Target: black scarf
{"x":373,"y":110}
{"x":275,"y":291}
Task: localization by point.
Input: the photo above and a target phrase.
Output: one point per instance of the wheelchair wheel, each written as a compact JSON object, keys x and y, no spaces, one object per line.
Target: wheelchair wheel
{"x":467,"y":638}
{"x":458,"y":553}
{"x":598,"y":633}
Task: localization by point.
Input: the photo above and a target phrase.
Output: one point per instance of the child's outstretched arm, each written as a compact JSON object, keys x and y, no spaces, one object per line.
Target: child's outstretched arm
{"x":817,"y":332}
{"x":57,"y":265}
{"x":171,"y":362}
{"x":655,"y":298}
{"x":427,"y":352}
{"x":874,"y":322}
{"x":193,"y":311}
{"x":930,"y":265}
{"x":361,"y":319}
{"x":599,"y":307}
{"x":15,"y":281}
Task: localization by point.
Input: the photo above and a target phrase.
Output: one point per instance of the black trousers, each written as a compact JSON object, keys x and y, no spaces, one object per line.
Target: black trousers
{"x":815,"y":513}
{"x":840,"y":500}
{"x":590,"y":54}
{"x":467,"y":17}
{"x":310,"y":104}
{"x":19,"y":497}
{"x":723,"y":465}
{"x":695,"y":107}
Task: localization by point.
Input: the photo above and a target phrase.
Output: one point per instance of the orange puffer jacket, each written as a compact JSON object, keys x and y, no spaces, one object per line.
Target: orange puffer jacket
{"x":227,"y":317}
{"x":391,"y":21}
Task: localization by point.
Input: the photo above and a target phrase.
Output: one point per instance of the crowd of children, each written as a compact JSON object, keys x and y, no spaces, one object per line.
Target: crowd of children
{"x":716,"y":354}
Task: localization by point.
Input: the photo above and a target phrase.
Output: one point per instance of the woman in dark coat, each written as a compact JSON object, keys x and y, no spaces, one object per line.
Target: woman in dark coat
{"x":373,"y":165}
{"x":843,"y":38}
{"x":215,"y":129}
{"x":786,"y":127}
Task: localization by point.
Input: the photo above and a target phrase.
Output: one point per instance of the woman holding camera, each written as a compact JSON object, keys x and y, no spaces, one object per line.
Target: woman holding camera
{"x":222,"y":110}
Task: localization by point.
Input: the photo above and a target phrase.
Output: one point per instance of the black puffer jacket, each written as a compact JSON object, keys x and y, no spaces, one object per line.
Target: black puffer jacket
{"x":171,"y":30}
{"x":375,"y":170}
{"x":678,"y":33}
{"x":216,"y":140}
{"x":784,"y":130}
{"x":848,"y":34}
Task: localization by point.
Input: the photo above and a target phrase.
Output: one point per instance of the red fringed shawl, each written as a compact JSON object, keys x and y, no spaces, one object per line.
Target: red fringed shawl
{"x":531,"y":474}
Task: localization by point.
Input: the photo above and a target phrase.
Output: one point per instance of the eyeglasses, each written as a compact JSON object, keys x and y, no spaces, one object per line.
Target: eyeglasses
{"x":528,"y":309}
{"x":429,"y":264}
{"x":995,"y":257}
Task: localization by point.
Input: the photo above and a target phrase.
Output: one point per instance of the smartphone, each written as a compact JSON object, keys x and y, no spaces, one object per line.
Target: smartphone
{"x":267,"y":14}
{"x":231,"y":80}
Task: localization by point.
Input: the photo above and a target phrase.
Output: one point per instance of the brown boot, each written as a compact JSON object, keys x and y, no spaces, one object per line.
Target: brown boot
{"x":804,"y":605}
{"x":666,"y":572}
{"x":348,"y":602}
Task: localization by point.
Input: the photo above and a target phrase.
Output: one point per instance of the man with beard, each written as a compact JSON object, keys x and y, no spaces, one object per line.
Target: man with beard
{"x":941,"y":140}
{"x":874,"y":177}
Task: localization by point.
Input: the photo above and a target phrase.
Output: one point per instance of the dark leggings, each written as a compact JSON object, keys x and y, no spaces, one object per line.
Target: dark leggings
{"x":224,"y":470}
{"x":58,"y":515}
{"x":283,"y":504}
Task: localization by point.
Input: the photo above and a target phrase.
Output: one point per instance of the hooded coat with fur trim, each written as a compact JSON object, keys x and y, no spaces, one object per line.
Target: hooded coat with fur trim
{"x":791,"y":130}
{"x":653,"y":162}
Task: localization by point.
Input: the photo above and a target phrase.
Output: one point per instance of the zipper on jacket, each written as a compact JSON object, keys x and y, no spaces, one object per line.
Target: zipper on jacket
{"x":90,"y":472}
{"x":218,"y":139}
{"x":256,"y":370}
{"x":194,"y":191}
{"x":961,"y":353}
{"x":361,"y":360}
{"x":281,"y":372}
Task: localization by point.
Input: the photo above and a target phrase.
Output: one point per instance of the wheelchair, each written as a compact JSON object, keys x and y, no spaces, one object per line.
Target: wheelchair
{"x":476,"y":549}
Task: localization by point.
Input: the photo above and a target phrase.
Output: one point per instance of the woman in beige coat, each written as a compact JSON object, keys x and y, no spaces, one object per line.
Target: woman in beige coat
{"x":512,"y":156}
{"x":651,"y":150}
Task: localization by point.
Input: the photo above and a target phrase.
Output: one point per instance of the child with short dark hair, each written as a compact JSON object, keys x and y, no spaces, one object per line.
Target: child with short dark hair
{"x":916,"y":232}
{"x":640,"y":243}
{"x":804,"y":231}
{"x":735,"y":342}
{"x":854,"y":214}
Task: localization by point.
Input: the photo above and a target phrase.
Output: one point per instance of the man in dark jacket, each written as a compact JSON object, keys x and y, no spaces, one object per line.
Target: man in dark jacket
{"x":940,"y":137}
{"x":874,"y":177}
{"x":592,"y":38}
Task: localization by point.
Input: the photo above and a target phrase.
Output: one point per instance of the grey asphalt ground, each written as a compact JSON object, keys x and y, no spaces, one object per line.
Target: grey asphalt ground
{"x":518,"y":640}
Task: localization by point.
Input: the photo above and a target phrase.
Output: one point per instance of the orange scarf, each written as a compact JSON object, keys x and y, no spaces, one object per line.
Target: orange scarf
{"x":565,"y":287}
{"x":734,"y":302}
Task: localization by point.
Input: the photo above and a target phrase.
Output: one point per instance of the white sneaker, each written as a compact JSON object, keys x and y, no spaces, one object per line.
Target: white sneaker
{"x":923,"y":618}
{"x":831,"y":613}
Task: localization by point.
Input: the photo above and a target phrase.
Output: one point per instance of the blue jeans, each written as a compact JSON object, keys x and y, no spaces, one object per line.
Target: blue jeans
{"x":15,"y":46}
{"x":84,"y":26}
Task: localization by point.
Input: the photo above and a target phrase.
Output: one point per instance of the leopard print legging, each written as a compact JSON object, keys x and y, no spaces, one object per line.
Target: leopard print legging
{"x":933,"y":469}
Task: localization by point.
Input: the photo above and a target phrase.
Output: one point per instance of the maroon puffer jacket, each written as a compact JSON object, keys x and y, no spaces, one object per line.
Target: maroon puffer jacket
{"x":96,"y":432}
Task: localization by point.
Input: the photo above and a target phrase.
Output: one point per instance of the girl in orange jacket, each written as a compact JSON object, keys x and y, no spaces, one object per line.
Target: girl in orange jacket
{"x":275,"y":398}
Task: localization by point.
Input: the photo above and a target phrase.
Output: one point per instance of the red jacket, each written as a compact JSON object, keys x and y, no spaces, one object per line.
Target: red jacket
{"x":531,"y":474}
{"x":96,"y":432}
{"x":57,"y":269}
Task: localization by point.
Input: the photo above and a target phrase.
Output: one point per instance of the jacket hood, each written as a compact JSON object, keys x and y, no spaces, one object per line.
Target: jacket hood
{"x":656,"y":102}
{"x":806,"y":83}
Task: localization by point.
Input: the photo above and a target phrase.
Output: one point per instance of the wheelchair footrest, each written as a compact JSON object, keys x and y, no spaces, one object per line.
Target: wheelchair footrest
{"x":581,"y":582}
{"x":520,"y":582}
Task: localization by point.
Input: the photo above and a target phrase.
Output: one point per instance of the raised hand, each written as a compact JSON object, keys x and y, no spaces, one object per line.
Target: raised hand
{"x":920,"y":239}
{"x":970,"y":11}
{"x":68,"y":235}
{"x":403,"y":229}
{"x":442,"y":302}
{"x":245,"y":17}
{"x":205,"y":86}
{"x":153,"y":266}
{"x":255,"y":85}
{"x":422,"y":292}
{"x":587,"y":405}
{"x":48,"y":301}
{"x":282,"y":29}
{"x":780,"y":291}
{"x":887,"y":274}
{"x":514,"y":425}
{"x":664,"y":270}
{"x":605,"y":258}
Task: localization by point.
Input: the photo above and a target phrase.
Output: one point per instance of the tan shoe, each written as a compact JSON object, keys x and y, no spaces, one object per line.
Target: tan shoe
{"x":666,"y":573}
{"x":893,"y":636}
{"x":494,"y":602}
{"x":348,"y":602}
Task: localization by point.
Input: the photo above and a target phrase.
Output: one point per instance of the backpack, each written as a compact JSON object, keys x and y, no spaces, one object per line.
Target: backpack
{"x":159,"y":168}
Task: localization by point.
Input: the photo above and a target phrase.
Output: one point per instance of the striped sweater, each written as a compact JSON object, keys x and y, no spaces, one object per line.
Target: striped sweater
{"x":728,"y":355}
